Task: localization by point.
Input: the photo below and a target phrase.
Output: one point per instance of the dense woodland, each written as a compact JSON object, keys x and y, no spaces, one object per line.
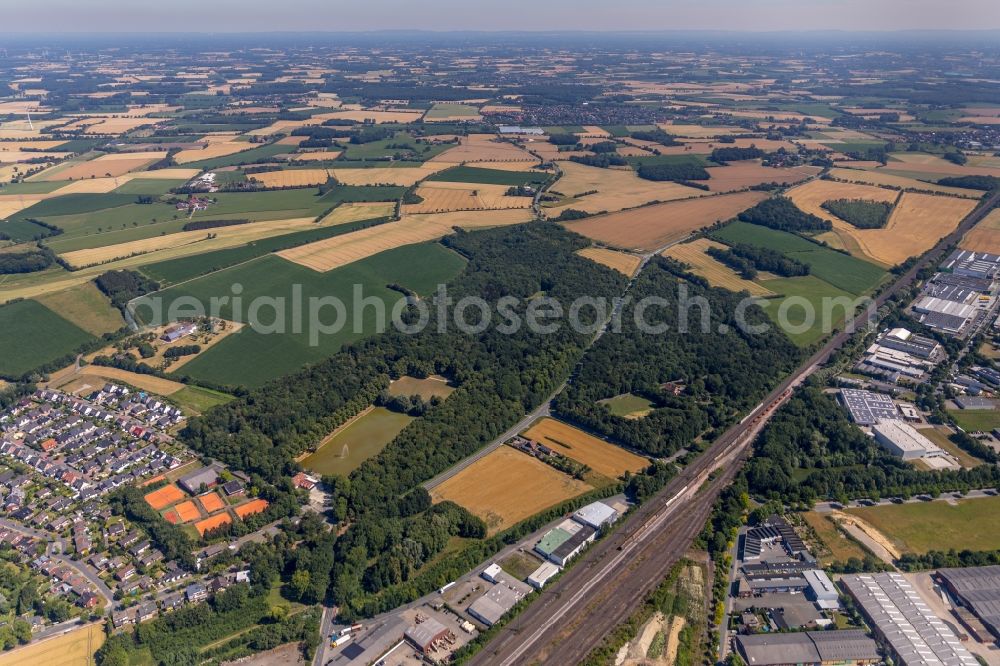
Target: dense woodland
{"x":32,"y":261}
{"x":781,"y":214}
{"x":677,"y":172}
{"x":722,"y":374}
{"x":748,"y":259}
{"x":861,"y":213}
{"x":122,"y":286}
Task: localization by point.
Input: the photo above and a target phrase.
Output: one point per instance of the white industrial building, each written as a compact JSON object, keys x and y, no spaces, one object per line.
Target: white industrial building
{"x":542,"y":574}
{"x":821,"y":589}
{"x":903,"y":440}
{"x":492,"y":572}
{"x":934,"y":305}
{"x":596,"y":515}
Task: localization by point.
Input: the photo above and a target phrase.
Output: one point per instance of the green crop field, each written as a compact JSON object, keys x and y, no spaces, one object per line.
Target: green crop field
{"x":840,"y":270}
{"x":976,"y":420}
{"x":815,"y":291}
{"x":85,"y":306}
{"x":445,"y":110}
{"x":972,"y":524}
{"x":251,"y":357}
{"x":32,"y":335}
{"x":21,"y":231}
{"x":246,"y":157}
{"x":173,"y":271}
{"x":151,"y":186}
{"x":357,"y":442}
{"x":468,"y":174}
{"x":198,"y":399}
{"x":391,"y":146}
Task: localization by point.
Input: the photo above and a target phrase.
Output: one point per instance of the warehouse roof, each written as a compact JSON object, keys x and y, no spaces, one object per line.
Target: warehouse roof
{"x":596,"y":515}
{"x":845,"y":645}
{"x":979,"y":589}
{"x":807,"y":647}
{"x":424,"y":634}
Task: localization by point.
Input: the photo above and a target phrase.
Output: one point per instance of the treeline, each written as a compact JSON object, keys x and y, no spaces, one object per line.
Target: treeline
{"x":182,"y":350}
{"x":722,"y":374}
{"x":986,"y":183}
{"x":659,"y":136}
{"x":732,"y":154}
{"x":124,"y":285}
{"x":677,"y":172}
{"x":602,"y":160}
{"x":748,"y":259}
{"x":32,"y":261}
{"x":861,"y":213}
{"x":781,"y":214}
{"x":810,"y":451}
{"x":197,"y":225}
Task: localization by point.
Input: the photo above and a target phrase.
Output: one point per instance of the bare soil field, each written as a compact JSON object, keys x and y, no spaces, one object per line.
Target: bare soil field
{"x":623,"y":262}
{"x":985,"y":236}
{"x":483,"y":148}
{"x":611,"y":189}
{"x":717,"y":274}
{"x":741,"y":175}
{"x":442,"y":197}
{"x":602,"y":457}
{"x":507,"y":486}
{"x":888,"y":179}
{"x":652,"y":227}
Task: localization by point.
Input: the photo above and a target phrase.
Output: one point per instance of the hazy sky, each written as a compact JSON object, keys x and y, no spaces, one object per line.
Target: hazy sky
{"x":337,"y":15}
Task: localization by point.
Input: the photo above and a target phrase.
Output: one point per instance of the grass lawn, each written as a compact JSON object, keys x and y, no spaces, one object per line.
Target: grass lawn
{"x":468,"y":174}
{"x":972,"y":524}
{"x":840,"y":270}
{"x":85,"y":306}
{"x":976,"y":420}
{"x":628,"y":404}
{"x":417,"y":267}
{"x":815,"y":291}
{"x":940,"y":438}
{"x":520,"y":565}
{"x":840,"y":547}
{"x":359,"y":441}
{"x":198,"y":399}
{"x":32,"y":335}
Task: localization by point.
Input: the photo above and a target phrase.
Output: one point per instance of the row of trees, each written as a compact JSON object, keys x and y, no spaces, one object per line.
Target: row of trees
{"x":748,"y":259}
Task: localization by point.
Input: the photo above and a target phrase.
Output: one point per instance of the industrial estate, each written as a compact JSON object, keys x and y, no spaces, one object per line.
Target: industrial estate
{"x":193,"y":471}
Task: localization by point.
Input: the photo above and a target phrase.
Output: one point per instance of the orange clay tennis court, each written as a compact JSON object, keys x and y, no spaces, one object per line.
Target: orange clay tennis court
{"x":187,"y":511}
{"x":250,"y":508}
{"x":211,"y":502}
{"x":164,"y":497}
{"x":212,"y":523}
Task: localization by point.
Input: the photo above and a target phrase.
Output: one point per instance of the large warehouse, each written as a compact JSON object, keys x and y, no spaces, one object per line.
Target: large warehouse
{"x":848,"y":647}
{"x":904,"y":622}
{"x":978,"y":590}
{"x":903,"y":440}
{"x":867,"y":407}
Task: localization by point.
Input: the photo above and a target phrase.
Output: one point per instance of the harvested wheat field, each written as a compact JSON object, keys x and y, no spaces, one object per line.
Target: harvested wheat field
{"x":75,"y":646}
{"x":150,"y":383}
{"x":250,"y":508}
{"x":741,"y":175}
{"x":933,"y":164}
{"x":233,"y":235}
{"x":358,"y":210}
{"x":507,"y":486}
{"x":404,"y":176}
{"x":612,"y":189}
{"x":483,"y":148}
{"x":604,"y":458}
{"x":985,"y":236}
{"x":442,"y":197}
{"x":718,"y":274}
{"x":212,"y":523}
{"x":652,"y":227}
{"x":699,"y":131}
{"x":211,"y":502}
{"x":623,"y":262}
{"x":377,"y":117}
{"x":475,"y":219}
{"x":292,"y":177}
{"x":810,"y":196}
{"x":163,"y":497}
{"x":13,"y":203}
{"x":187,"y":511}
{"x":117,"y":125}
{"x":15,"y":156}
{"x":315,"y":156}
{"x":917,"y":223}
{"x":106,"y":165}
{"x":212,"y":150}
{"x":902,"y":182}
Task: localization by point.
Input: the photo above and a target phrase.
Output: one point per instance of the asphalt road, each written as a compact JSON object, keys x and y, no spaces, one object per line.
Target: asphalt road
{"x":573,"y":616}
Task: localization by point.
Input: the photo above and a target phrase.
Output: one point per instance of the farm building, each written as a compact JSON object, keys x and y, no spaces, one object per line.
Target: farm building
{"x":175,"y":333}
{"x":193,"y":482}
{"x":904,"y":622}
{"x":540,"y":576}
{"x":427,"y":635}
{"x":596,"y":515}
{"x":845,"y":647}
{"x":977,"y":589}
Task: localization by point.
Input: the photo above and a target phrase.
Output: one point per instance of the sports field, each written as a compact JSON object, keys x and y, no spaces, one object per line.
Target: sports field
{"x":211,"y":502}
{"x":212,"y":523}
{"x":250,"y":508}
{"x":32,"y":335}
{"x":604,"y":458}
{"x":163,"y":497}
{"x":718,"y":274}
{"x":918,"y":527}
{"x":507,"y":486}
{"x":356,"y":442}
{"x":623,"y":262}
{"x":652,"y":227}
{"x":74,"y":648}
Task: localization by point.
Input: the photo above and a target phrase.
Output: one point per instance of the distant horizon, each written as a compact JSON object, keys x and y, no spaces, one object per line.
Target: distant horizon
{"x":357,"y":16}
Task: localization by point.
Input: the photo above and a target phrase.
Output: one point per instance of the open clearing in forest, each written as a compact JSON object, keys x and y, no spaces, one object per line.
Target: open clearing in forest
{"x":985,"y":236}
{"x":506,"y":486}
{"x":604,"y":458}
{"x":652,"y":227}
{"x":596,"y":190}
{"x":919,"y":527}
{"x":628,"y":405}
{"x":623,"y":262}
{"x":741,"y":175}
{"x":427,"y":388}
{"x":718,"y":274}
